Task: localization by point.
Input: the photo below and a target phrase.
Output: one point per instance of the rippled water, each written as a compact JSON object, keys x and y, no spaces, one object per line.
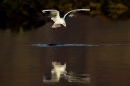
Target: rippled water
{"x":94,"y":46}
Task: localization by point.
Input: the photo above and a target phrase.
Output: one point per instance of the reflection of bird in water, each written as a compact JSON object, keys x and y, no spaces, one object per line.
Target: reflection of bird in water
{"x":80,"y":78}
{"x":58,"y":69}
{"x":70,"y":77}
{"x":57,"y":72}
{"x":58,"y":20}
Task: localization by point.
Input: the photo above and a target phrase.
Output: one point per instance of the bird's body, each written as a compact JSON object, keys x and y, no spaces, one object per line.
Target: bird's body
{"x":58,"y":22}
{"x":57,"y":19}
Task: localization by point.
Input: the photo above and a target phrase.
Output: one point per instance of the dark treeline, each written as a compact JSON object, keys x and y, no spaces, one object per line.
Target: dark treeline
{"x":28,"y":13}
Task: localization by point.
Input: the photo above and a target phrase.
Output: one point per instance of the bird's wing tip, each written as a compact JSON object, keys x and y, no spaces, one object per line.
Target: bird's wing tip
{"x":43,"y":11}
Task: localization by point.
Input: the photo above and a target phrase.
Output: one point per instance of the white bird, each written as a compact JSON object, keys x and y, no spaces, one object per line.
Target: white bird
{"x":57,"y":19}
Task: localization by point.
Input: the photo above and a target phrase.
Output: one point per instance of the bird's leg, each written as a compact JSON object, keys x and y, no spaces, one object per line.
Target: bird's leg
{"x":53,"y":26}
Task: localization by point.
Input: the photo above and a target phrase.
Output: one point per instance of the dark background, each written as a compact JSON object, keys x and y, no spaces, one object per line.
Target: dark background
{"x":28,"y":13}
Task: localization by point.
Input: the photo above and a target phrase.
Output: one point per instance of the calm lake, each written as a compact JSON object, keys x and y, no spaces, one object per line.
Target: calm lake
{"x":93,"y":45}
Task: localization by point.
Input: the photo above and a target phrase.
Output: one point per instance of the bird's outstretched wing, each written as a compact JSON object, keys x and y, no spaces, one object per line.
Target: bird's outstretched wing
{"x":73,"y":12}
{"x":52,"y":13}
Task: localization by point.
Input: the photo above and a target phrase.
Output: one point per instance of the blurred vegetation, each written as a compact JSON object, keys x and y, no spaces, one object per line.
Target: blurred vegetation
{"x":27,"y":14}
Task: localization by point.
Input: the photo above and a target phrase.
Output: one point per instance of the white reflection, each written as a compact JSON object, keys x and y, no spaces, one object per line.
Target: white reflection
{"x":79,"y":78}
{"x":59,"y":71}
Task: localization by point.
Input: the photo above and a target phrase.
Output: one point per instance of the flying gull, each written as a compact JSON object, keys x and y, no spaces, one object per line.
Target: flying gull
{"x":58,"y":21}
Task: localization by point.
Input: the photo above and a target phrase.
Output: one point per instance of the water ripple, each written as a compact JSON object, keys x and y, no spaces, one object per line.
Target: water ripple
{"x":63,"y":45}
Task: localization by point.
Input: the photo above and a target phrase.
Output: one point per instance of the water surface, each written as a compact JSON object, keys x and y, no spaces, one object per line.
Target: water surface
{"x":22,"y":64}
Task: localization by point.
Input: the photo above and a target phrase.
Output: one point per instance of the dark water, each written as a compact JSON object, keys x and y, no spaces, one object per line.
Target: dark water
{"x":108,"y":64}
